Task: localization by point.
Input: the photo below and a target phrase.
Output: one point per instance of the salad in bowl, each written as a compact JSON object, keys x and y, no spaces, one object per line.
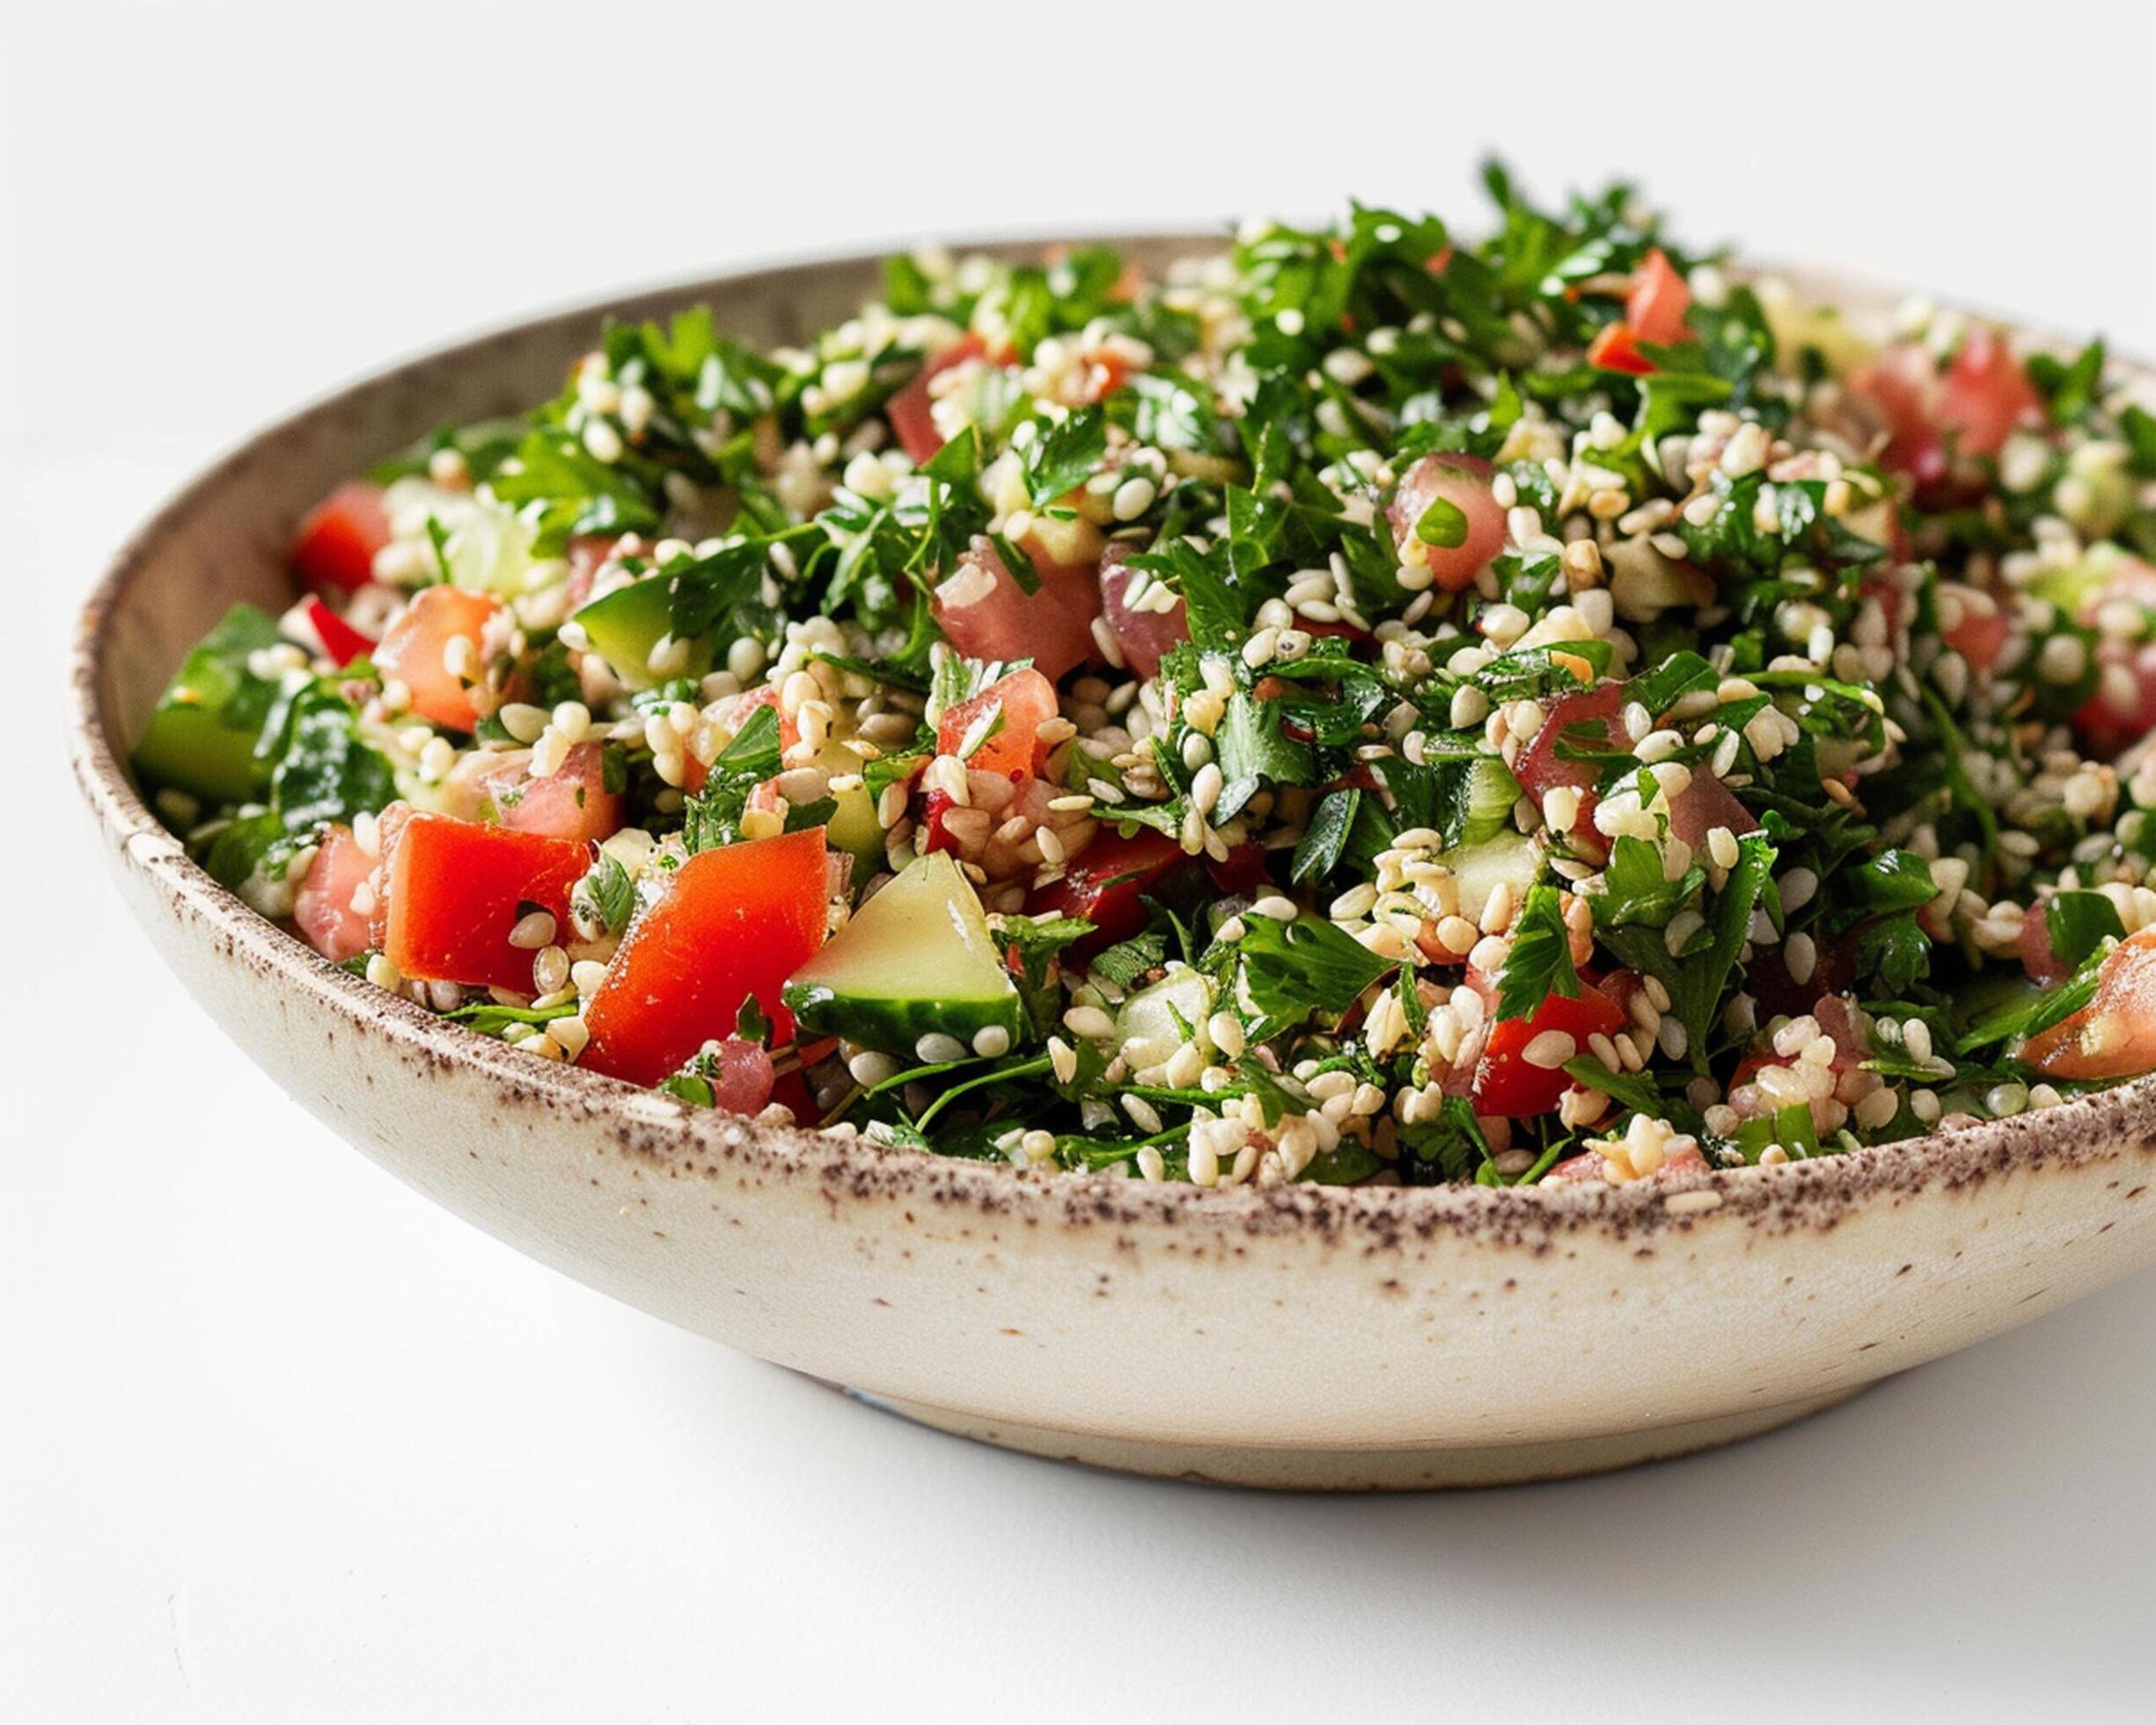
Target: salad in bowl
{"x":1363,"y":706}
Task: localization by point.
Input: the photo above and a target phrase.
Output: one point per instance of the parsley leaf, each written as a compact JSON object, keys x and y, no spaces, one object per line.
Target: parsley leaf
{"x":1294,"y":969}
{"x":1540,"y":964}
{"x":1064,"y":455}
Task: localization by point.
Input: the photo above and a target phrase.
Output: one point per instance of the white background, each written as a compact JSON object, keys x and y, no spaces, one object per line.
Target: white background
{"x":279,"y":1441}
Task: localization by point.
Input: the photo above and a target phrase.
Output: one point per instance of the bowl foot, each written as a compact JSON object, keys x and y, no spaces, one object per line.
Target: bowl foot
{"x":1365,"y":1470}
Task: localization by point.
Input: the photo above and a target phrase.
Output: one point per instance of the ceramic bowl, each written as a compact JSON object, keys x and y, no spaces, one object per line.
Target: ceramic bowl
{"x":1300,"y":1337}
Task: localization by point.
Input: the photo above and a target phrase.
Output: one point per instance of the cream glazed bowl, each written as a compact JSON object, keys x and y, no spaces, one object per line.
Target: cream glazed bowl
{"x":1302,"y":1336}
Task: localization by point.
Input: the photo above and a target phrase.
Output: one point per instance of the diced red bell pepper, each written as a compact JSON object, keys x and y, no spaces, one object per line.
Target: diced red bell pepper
{"x":736,"y":921}
{"x":415,"y":649}
{"x":452,"y":891}
{"x":1507,"y":1083}
{"x":340,"y":640}
{"x":1616,"y":348}
{"x":333,"y":550}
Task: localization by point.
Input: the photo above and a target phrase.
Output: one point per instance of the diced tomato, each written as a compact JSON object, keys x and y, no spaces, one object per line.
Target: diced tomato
{"x":415,"y":650}
{"x":1464,"y":482}
{"x":2115,"y":1035}
{"x":586,"y":555}
{"x":1985,"y":394}
{"x":1106,"y":885}
{"x":571,"y":802}
{"x":1979,"y":636}
{"x":1615,"y":348}
{"x":1587,"y":1166}
{"x":324,"y":907}
{"x":790,"y":1090}
{"x":2043,"y":964}
{"x":1146,"y":635}
{"x":340,"y":640}
{"x":1971,"y":410}
{"x":1834,"y":968}
{"x":1541,"y":769}
{"x":737,"y":923}
{"x":910,"y":420}
{"x":1241,"y":872}
{"x":1903,"y":382}
{"x":1704,"y":805}
{"x":1655,"y":308}
{"x":2122,"y":710}
{"x":1053,"y":626}
{"x":1507,"y":1083}
{"x":334,"y":550}
{"x":452,"y":890}
{"x":1028,"y":702}
{"x":746,"y":1079}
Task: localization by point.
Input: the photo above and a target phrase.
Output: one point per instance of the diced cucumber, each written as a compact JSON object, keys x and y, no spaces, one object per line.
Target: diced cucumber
{"x":1491,"y":790}
{"x":1798,"y":324}
{"x":852,"y":826}
{"x":1510,"y":857}
{"x":1160,"y":1018}
{"x":916,"y":959}
{"x":624,"y":626}
{"x":2073,"y":587}
{"x":202,"y":737}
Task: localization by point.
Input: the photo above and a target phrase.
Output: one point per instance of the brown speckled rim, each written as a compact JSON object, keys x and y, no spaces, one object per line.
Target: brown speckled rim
{"x":662,"y":1131}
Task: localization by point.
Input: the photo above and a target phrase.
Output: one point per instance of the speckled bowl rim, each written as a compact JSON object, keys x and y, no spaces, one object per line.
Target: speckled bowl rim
{"x":666,"y":1132}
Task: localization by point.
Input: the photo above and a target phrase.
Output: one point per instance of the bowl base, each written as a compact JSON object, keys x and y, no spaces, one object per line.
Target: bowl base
{"x":1409,"y":1470}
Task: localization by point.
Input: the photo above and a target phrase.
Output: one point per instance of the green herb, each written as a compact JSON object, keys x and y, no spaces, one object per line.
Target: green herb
{"x":1540,"y":965}
{"x":1291,"y":969}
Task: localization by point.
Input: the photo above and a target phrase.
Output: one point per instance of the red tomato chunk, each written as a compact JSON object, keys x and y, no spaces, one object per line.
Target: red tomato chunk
{"x":1106,"y":885}
{"x":416,"y":649}
{"x":1507,"y":1084}
{"x":735,"y":923}
{"x":1465,"y":482}
{"x":453,"y":890}
{"x":334,"y":550}
{"x":332,"y":914}
{"x":1144,"y":635}
{"x":987,"y":615}
{"x":571,"y":802}
{"x":911,"y":419}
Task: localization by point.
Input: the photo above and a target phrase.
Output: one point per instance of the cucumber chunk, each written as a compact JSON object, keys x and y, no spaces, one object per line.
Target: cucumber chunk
{"x":917,"y":958}
{"x":852,"y":826}
{"x":203,"y":735}
{"x":1159,"y":1019}
{"x":1510,"y":857}
{"x":624,"y":626}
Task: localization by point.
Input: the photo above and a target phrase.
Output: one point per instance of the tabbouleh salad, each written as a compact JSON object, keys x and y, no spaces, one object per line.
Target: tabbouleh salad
{"x":1367,"y":706}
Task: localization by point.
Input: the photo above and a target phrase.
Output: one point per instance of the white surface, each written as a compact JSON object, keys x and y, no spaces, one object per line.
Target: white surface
{"x":278,"y":1440}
